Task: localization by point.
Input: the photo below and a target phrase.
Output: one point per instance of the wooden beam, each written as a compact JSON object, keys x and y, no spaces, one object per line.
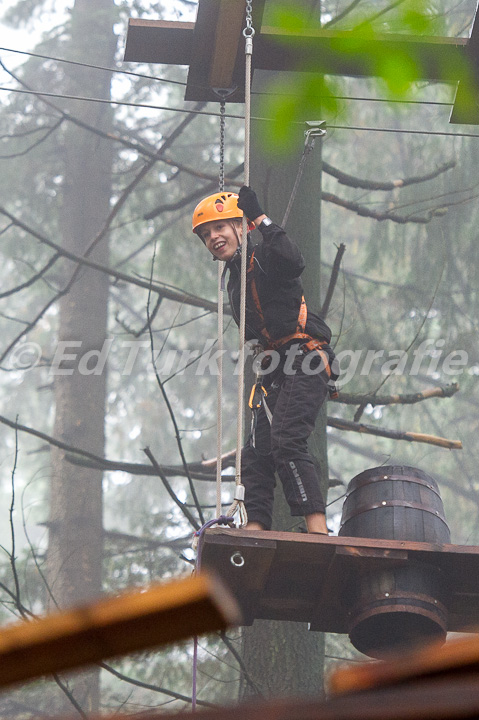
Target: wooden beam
{"x":453,"y":698}
{"x":458,"y":656}
{"x":217,"y":59}
{"x":159,"y":41}
{"x":342,"y":53}
{"x":214,"y":52}
{"x":114,"y":626}
{"x":466,"y":102}
{"x":229,"y":26}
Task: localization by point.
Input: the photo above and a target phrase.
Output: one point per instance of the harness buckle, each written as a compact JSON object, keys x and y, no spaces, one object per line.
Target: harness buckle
{"x":257,"y":394}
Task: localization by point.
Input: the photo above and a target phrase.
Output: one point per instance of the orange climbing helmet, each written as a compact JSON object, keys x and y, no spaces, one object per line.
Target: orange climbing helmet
{"x":220,"y":206}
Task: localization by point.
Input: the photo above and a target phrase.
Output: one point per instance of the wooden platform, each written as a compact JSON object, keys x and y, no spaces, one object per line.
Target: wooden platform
{"x":300,"y":577}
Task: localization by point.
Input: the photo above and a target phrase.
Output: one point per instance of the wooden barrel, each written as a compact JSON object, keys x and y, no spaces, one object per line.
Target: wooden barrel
{"x":404,"y":604}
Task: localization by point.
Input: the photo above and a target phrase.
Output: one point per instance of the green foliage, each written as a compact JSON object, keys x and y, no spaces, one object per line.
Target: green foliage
{"x":373,"y":42}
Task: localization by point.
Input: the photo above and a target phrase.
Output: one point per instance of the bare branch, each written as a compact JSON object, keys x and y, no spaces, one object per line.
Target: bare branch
{"x":156,"y":688}
{"x":351,"y":426}
{"x":211,"y":187}
{"x":38,"y":142}
{"x":33,"y":279}
{"x":333,"y":280}
{"x":342,"y":14}
{"x":77,"y":456}
{"x":352,"y":181}
{"x":170,"y":490}
{"x":162,"y":289}
{"x":388,"y":215}
{"x":140,"y":469}
{"x":241,"y":664}
{"x":169,"y":407}
{"x":406,"y":399}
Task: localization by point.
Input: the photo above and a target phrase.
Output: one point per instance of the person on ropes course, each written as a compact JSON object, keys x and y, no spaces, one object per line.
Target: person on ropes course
{"x":296,"y":373}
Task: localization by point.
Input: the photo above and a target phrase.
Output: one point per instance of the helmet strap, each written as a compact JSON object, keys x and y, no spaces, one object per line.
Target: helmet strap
{"x":235,"y":230}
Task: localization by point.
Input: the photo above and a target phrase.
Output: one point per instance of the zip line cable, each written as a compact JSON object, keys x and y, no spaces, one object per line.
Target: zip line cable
{"x":239,"y":117}
{"x":183,"y":83}
{"x":231,"y":115}
{"x":93,"y":67}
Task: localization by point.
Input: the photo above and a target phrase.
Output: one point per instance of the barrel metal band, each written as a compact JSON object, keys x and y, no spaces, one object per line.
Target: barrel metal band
{"x":437,"y":613}
{"x":383,"y":478}
{"x":390,"y":503}
{"x":400,"y":595}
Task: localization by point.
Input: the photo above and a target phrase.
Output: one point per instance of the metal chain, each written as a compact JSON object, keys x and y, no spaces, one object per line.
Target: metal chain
{"x":219,"y":379}
{"x":249,"y":29}
{"x":222,"y":145}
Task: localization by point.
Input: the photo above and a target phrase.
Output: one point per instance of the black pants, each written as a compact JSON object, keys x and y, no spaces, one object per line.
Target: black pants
{"x":294,"y":398}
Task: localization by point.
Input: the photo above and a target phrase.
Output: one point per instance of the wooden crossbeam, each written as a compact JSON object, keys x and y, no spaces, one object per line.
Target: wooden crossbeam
{"x":127,"y":623}
{"x":213,"y":48}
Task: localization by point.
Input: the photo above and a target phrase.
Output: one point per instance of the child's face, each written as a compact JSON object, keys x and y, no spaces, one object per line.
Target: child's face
{"x":222,"y":237}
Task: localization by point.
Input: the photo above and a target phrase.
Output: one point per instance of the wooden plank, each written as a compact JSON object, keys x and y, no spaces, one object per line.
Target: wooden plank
{"x":113,"y":626}
{"x":159,"y":41}
{"x":229,"y":27}
{"x":454,"y":699}
{"x":202,"y":50}
{"x":232,"y":537}
{"x":433,"y":661}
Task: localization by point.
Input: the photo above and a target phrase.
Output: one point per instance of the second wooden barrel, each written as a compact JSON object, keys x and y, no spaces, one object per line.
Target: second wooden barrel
{"x":405,"y":604}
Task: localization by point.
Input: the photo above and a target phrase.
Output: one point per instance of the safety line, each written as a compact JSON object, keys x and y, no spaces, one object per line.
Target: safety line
{"x":198,"y":85}
{"x":238,"y":502}
{"x":93,"y":67}
{"x":230,"y":115}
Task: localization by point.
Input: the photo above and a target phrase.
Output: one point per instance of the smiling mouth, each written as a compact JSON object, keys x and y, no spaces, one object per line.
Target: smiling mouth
{"x":219,"y":245}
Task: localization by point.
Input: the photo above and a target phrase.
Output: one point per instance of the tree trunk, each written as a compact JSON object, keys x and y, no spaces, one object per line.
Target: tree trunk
{"x":284,"y":658}
{"x":75,"y":538}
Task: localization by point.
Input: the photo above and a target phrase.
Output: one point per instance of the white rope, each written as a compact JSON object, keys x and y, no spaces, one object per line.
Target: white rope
{"x":238,"y":502}
{"x":219,"y":391}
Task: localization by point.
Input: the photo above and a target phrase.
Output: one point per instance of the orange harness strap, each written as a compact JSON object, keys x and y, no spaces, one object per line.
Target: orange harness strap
{"x":310,"y":344}
{"x":302,"y":316}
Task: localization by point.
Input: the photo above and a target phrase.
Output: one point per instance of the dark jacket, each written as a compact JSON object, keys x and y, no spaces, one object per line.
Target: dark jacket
{"x":278,"y":264}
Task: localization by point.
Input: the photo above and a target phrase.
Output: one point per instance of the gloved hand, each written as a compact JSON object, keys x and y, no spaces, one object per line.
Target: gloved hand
{"x":248,"y":203}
